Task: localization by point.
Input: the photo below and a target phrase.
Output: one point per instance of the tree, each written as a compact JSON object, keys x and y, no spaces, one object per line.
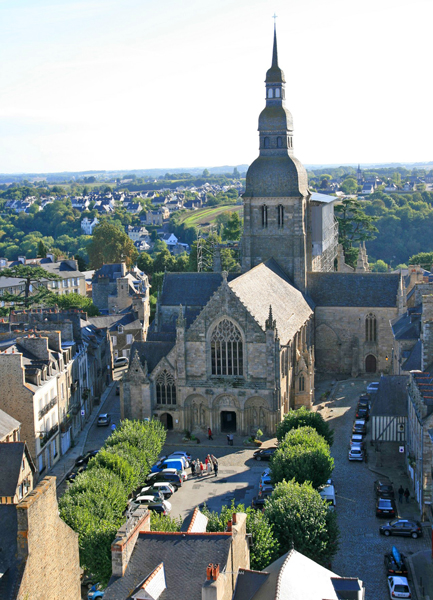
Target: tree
{"x":205,"y":173}
{"x":265,"y":548}
{"x":304,"y":418}
{"x":301,"y":519}
{"x":379,"y":267}
{"x":236,"y":174}
{"x":349,"y":186}
{"x":34,"y":280}
{"x":70,"y":301}
{"x":354,"y":226}
{"x":424,"y":259}
{"x":145,"y":263}
{"x":303,"y":455}
{"x":233,"y":229}
{"x":164,"y":261}
{"x":110,"y":244}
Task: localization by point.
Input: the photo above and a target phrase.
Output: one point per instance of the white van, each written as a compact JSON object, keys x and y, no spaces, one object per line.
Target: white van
{"x":327,"y":493}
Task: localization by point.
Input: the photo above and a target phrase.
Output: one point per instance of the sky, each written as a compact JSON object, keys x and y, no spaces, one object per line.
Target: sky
{"x":136,"y":84}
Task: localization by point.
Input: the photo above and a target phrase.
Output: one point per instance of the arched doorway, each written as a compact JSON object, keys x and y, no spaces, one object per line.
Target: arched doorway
{"x":167,"y":420}
{"x":228,"y":421}
{"x":370,"y":364}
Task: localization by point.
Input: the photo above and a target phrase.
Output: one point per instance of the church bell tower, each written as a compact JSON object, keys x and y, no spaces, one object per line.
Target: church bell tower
{"x":276,"y":199}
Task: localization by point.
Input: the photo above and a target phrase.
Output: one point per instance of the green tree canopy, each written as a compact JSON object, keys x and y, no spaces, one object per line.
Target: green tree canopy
{"x":110,"y":244}
{"x":303,"y":455}
{"x":424,"y":259}
{"x":145,"y":263}
{"x":349,"y":186}
{"x":301,"y":519}
{"x":232,"y":231}
{"x":70,"y":301}
{"x":354,"y":225}
{"x":34,"y":279}
{"x":304,"y":418}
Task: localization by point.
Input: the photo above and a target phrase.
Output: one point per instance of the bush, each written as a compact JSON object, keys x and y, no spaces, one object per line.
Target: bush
{"x":301,"y":519}
{"x":304,"y":418}
{"x":303,"y":455}
{"x":94,"y":504}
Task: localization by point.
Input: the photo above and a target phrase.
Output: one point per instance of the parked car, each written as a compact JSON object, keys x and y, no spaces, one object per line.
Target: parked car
{"x":166,"y":489}
{"x":178,"y":463}
{"x":372,"y":387}
{"x":266,"y":490}
{"x":357,"y":438}
{"x":149,"y":493}
{"x":359,"y":426}
{"x":327,"y":492}
{"x":95,"y":592}
{"x":264,"y":453}
{"x":362,"y":413}
{"x":364,"y":401}
{"x":395,"y":562}
{"x":383,"y":488}
{"x":118,"y":389}
{"x":163,"y":507}
{"x":356,"y":452}
{"x":385,"y":507}
{"x":103,"y":420}
{"x":402,"y":527}
{"x":84,"y":459}
{"x":398,"y":587}
{"x":258,"y":502}
{"x":186,"y":456}
{"x":266,"y":472}
{"x":265,"y":481}
{"x":122,"y":361}
{"x":76,"y":471}
{"x":173,"y":478}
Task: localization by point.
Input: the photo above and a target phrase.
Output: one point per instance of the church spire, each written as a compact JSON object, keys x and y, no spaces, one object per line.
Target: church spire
{"x":274,"y":51}
{"x":275,"y":75}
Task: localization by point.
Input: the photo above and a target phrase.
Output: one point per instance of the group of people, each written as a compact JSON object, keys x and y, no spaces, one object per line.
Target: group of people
{"x":403,"y":492}
{"x":199,"y":468}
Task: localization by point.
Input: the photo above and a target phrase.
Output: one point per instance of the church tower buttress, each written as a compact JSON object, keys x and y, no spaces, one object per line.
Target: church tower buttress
{"x":276,"y":199}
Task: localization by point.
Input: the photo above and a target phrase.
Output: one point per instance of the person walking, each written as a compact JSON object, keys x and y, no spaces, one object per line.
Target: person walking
{"x":209,"y":467}
{"x":400,"y":493}
{"x":231,"y":439}
{"x":193,"y":468}
{"x":215,"y":467}
{"x":209,"y":434}
{"x":407,"y":495}
{"x":228,"y":439}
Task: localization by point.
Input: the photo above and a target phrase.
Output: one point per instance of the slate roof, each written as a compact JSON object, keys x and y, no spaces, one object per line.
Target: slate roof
{"x":248,"y":583}
{"x":7,"y":424}
{"x":354,"y":289}
{"x":8,"y":548}
{"x":111,"y":322}
{"x":11,"y":456}
{"x":413,"y":362}
{"x":152,"y":352}
{"x":190,"y":289}
{"x":391,"y":398}
{"x":408,"y":326}
{"x":267,"y":285}
{"x":185,"y":558}
{"x":112,"y":271}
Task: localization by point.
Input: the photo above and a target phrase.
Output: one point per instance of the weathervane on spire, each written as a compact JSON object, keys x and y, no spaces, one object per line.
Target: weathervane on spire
{"x":275,"y":19}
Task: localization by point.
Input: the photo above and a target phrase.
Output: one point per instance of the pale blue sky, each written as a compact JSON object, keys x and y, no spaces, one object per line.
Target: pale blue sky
{"x":128,"y":84}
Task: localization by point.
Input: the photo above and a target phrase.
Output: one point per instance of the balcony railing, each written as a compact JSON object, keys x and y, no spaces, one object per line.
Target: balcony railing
{"x":48,"y":407}
{"x":45,"y":438}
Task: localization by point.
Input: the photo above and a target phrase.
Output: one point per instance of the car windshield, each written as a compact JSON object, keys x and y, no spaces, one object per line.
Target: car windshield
{"x":356,"y":451}
{"x":395,"y":522}
{"x":385,"y":502}
{"x":403,"y":589}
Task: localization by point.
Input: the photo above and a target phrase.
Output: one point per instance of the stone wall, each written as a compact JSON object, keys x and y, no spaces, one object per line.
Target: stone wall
{"x":48,"y":546}
{"x":341,"y":346}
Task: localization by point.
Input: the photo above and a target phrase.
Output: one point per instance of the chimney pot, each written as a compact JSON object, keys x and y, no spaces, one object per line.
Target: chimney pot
{"x":234,"y":519}
{"x":229,"y":526}
{"x":209,"y":572}
{"x":215,"y":572}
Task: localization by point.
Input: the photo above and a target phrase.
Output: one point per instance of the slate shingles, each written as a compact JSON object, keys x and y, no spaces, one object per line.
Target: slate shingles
{"x":354,"y":289}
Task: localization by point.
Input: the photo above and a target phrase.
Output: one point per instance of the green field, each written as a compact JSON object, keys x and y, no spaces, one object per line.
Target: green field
{"x":205,"y":217}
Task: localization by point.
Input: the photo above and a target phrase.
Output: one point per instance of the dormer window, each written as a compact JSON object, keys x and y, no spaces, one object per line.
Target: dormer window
{"x":277,"y":93}
{"x":270,"y":93}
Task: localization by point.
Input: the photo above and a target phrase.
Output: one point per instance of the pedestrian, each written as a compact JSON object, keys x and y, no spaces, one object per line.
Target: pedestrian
{"x":201,"y":469}
{"x":213,"y":459}
{"x":228,"y":439}
{"x":215,"y":468}
{"x":193,"y":468}
{"x":206,"y":460}
{"x":407,"y":495}
{"x":231,"y":439}
{"x":113,"y":427}
{"x":209,"y":467}
{"x":209,"y":434}
{"x":400,"y":493}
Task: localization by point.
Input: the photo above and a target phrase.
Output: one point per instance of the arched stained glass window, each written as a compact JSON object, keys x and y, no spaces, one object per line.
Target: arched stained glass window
{"x":370,"y":328}
{"x":226,"y":349}
{"x":165,"y":388}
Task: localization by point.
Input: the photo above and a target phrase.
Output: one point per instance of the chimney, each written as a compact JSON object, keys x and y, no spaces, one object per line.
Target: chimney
{"x":51,"y":256}
{"x":126,"y":538}
{"x":35,"y":345}
{"x":209,"y":572}
{"x":427,"y":332}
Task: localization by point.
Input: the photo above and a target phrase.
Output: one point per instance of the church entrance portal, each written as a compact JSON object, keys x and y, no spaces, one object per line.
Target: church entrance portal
{"x":228,"y":421}
{"x":370,"y":364}
{"x":167,"y":420}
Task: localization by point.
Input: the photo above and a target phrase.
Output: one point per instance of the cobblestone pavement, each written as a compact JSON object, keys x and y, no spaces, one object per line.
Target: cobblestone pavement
{"x":361,"y":546}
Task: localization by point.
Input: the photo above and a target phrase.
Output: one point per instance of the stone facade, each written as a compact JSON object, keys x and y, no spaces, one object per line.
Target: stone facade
{"x":47,"y":547}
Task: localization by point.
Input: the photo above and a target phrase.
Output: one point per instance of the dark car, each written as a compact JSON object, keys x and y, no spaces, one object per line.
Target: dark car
{"x":402,"y":527}
{"x":362,"y":413}
{"x":385,"y":507}
{"x":264,"y":453}
{"x":84,"y":459}
{"x":159,"y":507}
{"x":266,"y":491}
{"x":258,"y":502}
{"x":395,"y":563}
{"x":359,"y":426}
{"x":364,"y":401}
{"x":75,"y":471}
{"x":104,"y":420}
{"x":383,"y":488}
{"x":172,"y":478}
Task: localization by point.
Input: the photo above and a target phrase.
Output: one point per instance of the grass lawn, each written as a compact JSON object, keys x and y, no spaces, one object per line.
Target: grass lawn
{"x":206,"y":216}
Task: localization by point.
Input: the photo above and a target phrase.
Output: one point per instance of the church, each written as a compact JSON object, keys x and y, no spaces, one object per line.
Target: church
{"x":236,"y":351}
